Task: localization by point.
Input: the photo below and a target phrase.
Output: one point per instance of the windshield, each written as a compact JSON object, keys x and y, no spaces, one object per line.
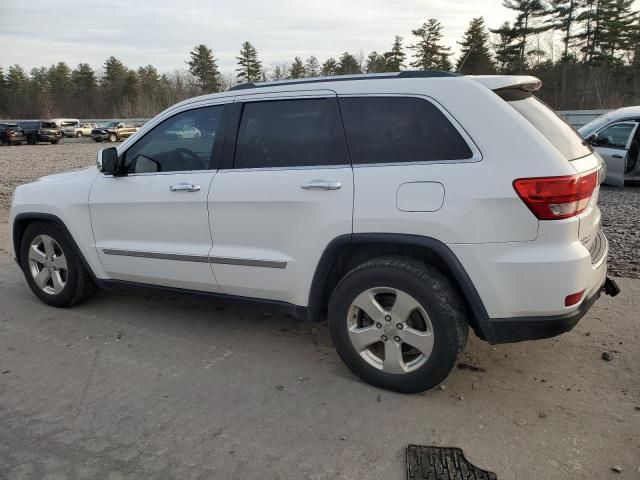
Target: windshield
{"x":594,"y":125}
{"x":555,"y":129}
{"x":111,"y":124}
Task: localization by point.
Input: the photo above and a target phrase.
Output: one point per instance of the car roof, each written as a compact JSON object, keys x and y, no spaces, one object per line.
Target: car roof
{"x":353,"y":84}
{"x":624,"y":112}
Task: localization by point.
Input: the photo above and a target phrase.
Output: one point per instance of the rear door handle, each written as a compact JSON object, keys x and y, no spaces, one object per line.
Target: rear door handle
{"x":322,"y":185}
{"x":185,"y":187}
{"x":617,"y":155}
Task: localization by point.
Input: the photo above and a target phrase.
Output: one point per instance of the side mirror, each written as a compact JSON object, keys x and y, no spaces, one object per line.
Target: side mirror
{"x":593,"y":139}
{"x":108,"y":160}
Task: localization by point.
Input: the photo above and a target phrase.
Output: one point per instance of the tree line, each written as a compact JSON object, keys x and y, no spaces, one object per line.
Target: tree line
{"x":586,"y":52}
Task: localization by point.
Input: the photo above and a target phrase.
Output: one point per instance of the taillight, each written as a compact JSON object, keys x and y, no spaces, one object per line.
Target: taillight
{"x":554,"y":198}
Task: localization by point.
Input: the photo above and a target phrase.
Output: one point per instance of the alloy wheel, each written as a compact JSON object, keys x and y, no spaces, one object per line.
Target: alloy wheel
{"x":390,"y":330}
{"x":48,"y":264}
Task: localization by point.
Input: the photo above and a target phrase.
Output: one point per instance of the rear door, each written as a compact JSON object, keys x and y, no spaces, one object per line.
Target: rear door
{"x":613,"y":144}
{"x":286,"y":193}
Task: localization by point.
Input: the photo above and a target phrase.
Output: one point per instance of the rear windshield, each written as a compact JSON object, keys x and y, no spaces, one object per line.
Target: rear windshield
{"x":561,"y":135}
{"x":49,"y":125}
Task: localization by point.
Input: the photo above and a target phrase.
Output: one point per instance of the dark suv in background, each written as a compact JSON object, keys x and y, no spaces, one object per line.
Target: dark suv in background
{"x":11,"y":134}
{"x":41,"y":131}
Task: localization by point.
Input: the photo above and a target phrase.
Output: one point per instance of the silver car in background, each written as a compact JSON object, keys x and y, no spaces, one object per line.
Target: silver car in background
{"x":616,"y":137}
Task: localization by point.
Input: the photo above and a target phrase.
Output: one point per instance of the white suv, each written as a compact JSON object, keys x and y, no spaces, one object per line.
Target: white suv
{"x":403,"y":207}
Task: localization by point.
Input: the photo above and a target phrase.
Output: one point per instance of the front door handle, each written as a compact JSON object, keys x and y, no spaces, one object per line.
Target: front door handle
{"x":322,"y":185}
{"x":185,"y":187}
{"x":617,"y":155}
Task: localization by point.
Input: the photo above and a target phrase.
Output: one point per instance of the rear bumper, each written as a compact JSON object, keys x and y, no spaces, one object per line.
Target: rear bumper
{"x":510,"y":330}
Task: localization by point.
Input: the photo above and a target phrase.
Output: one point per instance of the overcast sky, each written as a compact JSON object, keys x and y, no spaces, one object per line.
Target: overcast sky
{"x":162,"y":32}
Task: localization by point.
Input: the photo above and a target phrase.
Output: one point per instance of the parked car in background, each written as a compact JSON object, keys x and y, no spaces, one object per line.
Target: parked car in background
{"x":41,"y":131}
{"x":62,"y":123}
{"x":11,"y":134}
{"x":79,"y":130}
{"x":184,"y":132}
{"x":114,"y":131}
{"x":616,"y":137}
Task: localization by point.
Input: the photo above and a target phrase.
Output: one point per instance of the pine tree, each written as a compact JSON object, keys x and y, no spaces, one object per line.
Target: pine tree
{"x":395,"y":57}
{"x":590,"y":18}
{"x":204,"y":67}
{"x":329,"y":67}
{"x":348,"y":65}
{"x":148,"y":78}
{"x":312,"y":66}
{"x":279,"y":72}
{"x":84,"y":87}
{"x":16,"y":85}
{"x":3,"y":94}
{"x":617,"y":26}
{"x":249,"y":67}
{"x":430,"y":54}
{"x":527,"y":12}
{"x":297,"y":68}
{"x":376,"y":63}
{"x":562,"y":16}
{"x":114,"y":73}
{"x":475,"y":56}
{"x":506,"y":48}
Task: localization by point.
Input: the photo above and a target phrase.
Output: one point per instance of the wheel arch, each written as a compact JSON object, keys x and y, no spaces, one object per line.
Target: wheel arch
{"x":23,"y":220}
{"x":347,"y":251}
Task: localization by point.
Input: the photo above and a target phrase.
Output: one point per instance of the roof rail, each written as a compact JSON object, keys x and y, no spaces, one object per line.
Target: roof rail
{"x":343,"y":78}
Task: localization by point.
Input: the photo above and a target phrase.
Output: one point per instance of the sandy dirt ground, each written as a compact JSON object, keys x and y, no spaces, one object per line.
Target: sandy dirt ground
{"x":139,"y":386}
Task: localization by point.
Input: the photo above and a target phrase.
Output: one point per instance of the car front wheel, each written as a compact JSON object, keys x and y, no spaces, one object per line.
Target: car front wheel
{"x":398,"y":324}
{"x":52,"y":266}
{"x":112,"y":137}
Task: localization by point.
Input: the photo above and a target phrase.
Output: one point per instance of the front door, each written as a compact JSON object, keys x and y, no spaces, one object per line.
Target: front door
{"x":614,"y":145}
{"x":152,"y":225}
{"x":287,"y":193}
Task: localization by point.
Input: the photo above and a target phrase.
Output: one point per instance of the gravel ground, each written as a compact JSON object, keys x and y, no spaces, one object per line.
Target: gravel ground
{"x":21,"y":164}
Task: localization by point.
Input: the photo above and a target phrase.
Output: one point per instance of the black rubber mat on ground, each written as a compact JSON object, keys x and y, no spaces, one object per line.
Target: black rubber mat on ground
{"x":439,"y":463}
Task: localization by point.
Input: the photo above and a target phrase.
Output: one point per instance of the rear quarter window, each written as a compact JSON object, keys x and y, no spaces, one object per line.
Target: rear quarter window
{"x":554,"y":128}
{"x":400,"y":130}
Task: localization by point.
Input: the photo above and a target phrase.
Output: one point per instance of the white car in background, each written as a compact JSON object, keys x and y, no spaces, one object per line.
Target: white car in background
{"x":185,"y":132}
{"x":405,"y":208}
{"x":616,"y":137}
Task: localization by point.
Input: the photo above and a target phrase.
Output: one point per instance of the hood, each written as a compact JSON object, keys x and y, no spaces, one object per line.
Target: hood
{"x":63,"y":176}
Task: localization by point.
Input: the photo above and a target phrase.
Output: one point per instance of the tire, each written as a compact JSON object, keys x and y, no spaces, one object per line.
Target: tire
{"x":31,"y":140}
{"x":434,"y":305}
{"x":112,"y":137}
{"x":78,"y":134}
{"x":54,"y":142}
{"x":74,"y":284}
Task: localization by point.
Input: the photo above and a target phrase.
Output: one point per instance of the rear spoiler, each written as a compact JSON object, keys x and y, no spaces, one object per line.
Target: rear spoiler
{"x":526,"y":83}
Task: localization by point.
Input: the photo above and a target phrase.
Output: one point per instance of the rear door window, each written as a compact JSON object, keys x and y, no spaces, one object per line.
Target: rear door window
{"x":555,"y":129}
{"x":291,"y":133}
{"x":399,"y":129}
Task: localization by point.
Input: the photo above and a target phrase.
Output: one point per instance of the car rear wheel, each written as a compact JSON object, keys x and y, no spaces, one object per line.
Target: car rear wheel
{"x":31,"y":140}
{"x":54,"y":142}
{"x":398,"y":324}
{"x":52,"y":266}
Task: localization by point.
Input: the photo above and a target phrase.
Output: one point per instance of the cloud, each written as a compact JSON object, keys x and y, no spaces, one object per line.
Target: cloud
{"x":163,"y":32}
